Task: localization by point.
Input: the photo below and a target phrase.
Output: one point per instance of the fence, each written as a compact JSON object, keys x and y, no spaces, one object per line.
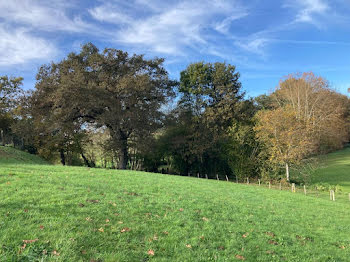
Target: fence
{"x":307,"y":190}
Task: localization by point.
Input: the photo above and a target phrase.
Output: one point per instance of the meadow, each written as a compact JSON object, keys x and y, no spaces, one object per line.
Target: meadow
{"x":61,"y":213}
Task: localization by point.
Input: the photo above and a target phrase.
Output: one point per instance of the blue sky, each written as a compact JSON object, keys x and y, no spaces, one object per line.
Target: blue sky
{"x":266,"y":40}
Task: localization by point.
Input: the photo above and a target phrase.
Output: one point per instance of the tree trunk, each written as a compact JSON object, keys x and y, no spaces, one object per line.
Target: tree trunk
{"x":287,"y":171}
{"x":123,"y":153}
{"x":2,"y":138}
{"x":85,"y":160}
{"x":63,"y":160}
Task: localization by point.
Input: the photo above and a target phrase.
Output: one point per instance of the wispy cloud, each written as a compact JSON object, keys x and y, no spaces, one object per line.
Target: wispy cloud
{"x":17,"y":46}
{"x":171,"y":28}
{"x":43,"y":15}
{"x":309,"y":11}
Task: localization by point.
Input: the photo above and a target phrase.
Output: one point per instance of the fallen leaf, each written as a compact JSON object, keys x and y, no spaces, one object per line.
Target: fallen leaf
{"x":271,"y":234}
{"x":107,"y":220}
{"x":30,"y":241}
{"x":205,"y":219}
{"x":181,"y":209}
{"x":150,"y":252}
{"x":342,"y":247}
{"x":120,"y":222}
{"x":240,"y":257}
{"x":221,"y":248}
{"x":25,"y":210}
{"x":41,"y":227}
{"x":125,"y":229}
{"x":81,"y":205}
{"x":83,"y":252}
{"x":55,"y":253}
{"x":101,"y":229}
{"x":188,"y":246}
{"x":116,"y":214}
{"x":201,"y":237}
{"x":165,"y":232}
{"x":273,"y":242}
{"x":155,"y":237}
{"x":92,"y":200}
{"x":245,"y":235}
{"x":88,"y":219}
{"x":44,"y":252}
{"x":24,"y":246}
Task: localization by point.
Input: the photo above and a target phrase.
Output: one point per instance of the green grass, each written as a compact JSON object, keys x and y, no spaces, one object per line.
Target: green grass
{"x":82,"y":214}
{"x":334,"y":169}
{"x":10,"y":155}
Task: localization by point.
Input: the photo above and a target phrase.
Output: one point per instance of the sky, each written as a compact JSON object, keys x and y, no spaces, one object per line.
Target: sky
{"x":265,"y":40}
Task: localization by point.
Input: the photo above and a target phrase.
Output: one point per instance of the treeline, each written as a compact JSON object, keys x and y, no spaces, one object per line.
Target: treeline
{"x":109,"y":109}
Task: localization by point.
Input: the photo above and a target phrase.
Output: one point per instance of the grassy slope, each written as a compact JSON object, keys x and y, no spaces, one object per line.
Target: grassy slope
{"x":66,"y":209}
{"x":9,"y":155}
{"x":335,"y":169}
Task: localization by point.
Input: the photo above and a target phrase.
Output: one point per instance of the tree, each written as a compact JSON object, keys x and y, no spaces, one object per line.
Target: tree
{"x":304,"y":117}
{"x":210,"y":102}
{"x":285,"y":137}
{"x":108,"y":89}
{"x":10,"y":88}
{"x":322,"y":109}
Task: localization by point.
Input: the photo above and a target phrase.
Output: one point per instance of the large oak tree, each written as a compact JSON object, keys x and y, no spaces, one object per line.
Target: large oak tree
{"x":108,"y":89}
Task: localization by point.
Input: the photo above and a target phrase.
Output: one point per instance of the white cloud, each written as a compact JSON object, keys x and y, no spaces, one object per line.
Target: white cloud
{"x":308,"y":11}
{"x":170,"y":28}
{"x":255,"y":45}
{"x":17,"y":46}
{"x":43,"y":15}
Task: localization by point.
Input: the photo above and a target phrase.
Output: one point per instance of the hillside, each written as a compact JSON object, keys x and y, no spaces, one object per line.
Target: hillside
{"x":10,"y":155}
{"x":334,"y":169}
{"x":56,"y":213}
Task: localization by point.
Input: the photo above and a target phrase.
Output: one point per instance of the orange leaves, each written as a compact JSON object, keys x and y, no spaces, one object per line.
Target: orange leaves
{"x":101,"y":230}
{"x":41,"y":227}
{"x":25,"y":242}
{"x":30,"y":241}
{"x":245,"y":235}
{"x":240,"y":257}
{"x":150,"y":252}
{"x":181,"y":209}
{"x":55,"y":253}
{"x":125,"y":229}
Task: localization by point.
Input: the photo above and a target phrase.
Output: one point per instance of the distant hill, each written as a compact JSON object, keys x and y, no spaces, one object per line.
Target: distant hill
{"x":10,"y":155}
{"x":334,"y":169}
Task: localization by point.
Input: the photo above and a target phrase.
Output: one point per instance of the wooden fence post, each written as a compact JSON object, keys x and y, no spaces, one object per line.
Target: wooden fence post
{"x":280,"y":185}
{"x":259,"y":181}
{"x":293,"y":187}
{"x":247,"y":180}
{"x":217,"y":177}
{"x":206,"y":176}
{"x":198,"y":175}
{"x":226,"y":178}
{"x":304,"y":190}
{"x":269,"y":184}
{"x":236,"y":179}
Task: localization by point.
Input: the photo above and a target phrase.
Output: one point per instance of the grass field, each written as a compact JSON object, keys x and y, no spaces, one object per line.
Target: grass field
{"x":334,"y":169}
{"x":55,"y":213}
